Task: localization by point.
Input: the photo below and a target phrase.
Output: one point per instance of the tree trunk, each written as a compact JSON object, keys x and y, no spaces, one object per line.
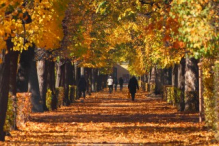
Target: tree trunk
{"x":23,"y":72}
{"x":62,"y":79}
{"x":76,"y":73}
{"x":181,"y":83}
{"x":88,"y":76}
{"x":93,"y":81}
{"x":76,"y":76}
{"x":175,"y":76}
{"x":58,"y":74}
{"x":153,"y":75}
{"x":175,"y":84}
{"x":149,"y":77}
{"x":4,"y":89}
{"x":158,"y":81}
{"x":13,"y":72}
{"x":71,"y":82}
{"x":42,"y":78}
{"x":51,"y":83}
{"x":73,"y":74}
{"x":98,"y":80}
{"x":33,"y":84}
{"x":66,"y":83}
{"x":167,"y":79}
{"x":191,"y":85}
{"x":82,"y":70}
{"x":71,"y":71}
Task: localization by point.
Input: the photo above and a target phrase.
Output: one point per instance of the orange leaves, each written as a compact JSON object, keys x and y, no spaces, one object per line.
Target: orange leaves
{"x":166,"y":38}
{"x":160,"y":38}
{"x":149,"y":29}
{"x":107,"y":119}
{"x":173,"y":24}
{"x":178,"y":45}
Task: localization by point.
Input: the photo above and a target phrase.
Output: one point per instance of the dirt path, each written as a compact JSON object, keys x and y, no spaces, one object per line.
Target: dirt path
{"x":113,"y":120}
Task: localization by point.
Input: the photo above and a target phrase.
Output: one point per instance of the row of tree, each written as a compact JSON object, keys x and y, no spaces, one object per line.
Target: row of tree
{"x":24,"y":26}
{"x":158,"y":35}
{"x":99,"y":33}
{"x":33,"y":58}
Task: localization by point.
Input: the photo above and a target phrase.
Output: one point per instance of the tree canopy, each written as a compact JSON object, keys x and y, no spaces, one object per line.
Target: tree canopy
{"x":100,"y":33}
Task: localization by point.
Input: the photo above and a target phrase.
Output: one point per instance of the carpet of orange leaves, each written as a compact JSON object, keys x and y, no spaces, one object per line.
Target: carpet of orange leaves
{"x":113,"y":119}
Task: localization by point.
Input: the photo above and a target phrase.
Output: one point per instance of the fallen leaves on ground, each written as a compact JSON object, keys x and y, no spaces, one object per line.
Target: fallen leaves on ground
{"x":104,"y":118}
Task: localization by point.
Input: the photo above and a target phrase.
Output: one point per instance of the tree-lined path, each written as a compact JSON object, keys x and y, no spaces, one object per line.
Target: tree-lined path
{"x":104,"y":118}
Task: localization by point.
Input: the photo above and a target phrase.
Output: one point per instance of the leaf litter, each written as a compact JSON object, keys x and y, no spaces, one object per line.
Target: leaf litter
{"x":114,"y":119}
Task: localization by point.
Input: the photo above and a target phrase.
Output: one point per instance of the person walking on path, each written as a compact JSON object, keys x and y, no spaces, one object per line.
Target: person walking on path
{"x":133,"y":84}
{"x":82,"y":84}
{"x":110,"y":84}
{"x":116,"y":83}
{"x":121,"y":83}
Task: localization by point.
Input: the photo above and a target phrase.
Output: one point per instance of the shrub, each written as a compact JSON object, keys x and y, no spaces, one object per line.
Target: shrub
{"x":49,"y":99}
{"x":60,"y":96}
{"x":208,"y":94}
{"x":10,"y":116}
{"x":216,"y":91}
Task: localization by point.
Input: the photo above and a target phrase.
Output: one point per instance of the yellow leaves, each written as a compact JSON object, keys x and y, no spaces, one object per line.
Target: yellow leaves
{"x":46,"y":23}
{"x":19,"y":44}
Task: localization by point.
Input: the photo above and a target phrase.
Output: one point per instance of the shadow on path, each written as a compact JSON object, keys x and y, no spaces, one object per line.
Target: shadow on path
{"x":113,"y":119}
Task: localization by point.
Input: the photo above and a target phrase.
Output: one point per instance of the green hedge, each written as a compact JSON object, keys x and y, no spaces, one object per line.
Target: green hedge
{"x":10,"y":116}
{"x":208,"y":75}
{"x":216,"y":93}
{"x":60,"y":94}
{"x":173,"y":95}
{"x":18,"y":111}
{"x":49,"y":99}
{"x":72,"y":93}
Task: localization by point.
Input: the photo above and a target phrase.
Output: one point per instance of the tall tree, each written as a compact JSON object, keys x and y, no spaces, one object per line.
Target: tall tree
{"x":42,"y":78}
{"x":4,"y":90}
{"x":51,"y":82}
{"x":181,"y":83}
{"x":191,"y":85}
{"x":33,"y":84}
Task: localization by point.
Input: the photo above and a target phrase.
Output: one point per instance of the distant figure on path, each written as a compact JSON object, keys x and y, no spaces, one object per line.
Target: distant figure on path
{"x":133,"y":84}
{"x":116,"y":83}
{"x":121,"y":83}
{"x":82,"y":84}
{"x":110,"y":84}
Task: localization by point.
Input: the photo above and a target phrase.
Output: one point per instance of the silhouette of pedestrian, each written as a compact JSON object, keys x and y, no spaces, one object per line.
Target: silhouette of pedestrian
{"x":116,"y":83}
{"x":133,"y":84}
{"x":82,"y":86}
{"x":121,"y":83}
{"x":110,"y":84}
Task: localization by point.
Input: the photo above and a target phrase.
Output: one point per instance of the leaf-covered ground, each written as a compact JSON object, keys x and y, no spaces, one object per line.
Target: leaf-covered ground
{"x":113,"y":119}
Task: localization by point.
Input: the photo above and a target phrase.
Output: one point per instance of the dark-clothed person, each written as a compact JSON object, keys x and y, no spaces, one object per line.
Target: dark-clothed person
{"x":133,"y":85}
{"x":116,"y":83}
{"x":121,"y":83}
{"x":82,"y":86}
